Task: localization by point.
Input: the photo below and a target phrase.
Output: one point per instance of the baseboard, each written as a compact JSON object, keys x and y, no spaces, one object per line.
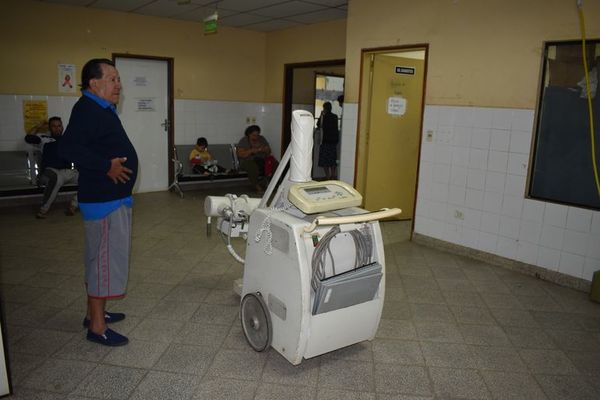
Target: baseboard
{"x":527,"y":269}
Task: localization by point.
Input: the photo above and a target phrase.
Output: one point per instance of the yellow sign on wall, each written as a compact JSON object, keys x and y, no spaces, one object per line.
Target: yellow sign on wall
{"x":35,"y":114}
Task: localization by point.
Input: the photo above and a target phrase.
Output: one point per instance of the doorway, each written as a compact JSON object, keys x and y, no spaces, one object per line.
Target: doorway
{"x":146,"y":111}
{"x":328,"y":88}
{"x":391,"y":114}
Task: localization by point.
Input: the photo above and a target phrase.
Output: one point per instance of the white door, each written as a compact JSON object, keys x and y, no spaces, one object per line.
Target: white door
{"x":143,"y":109}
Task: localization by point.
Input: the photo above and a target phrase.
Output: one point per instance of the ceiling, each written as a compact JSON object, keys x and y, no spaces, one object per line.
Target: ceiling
{"x":256,"y":15}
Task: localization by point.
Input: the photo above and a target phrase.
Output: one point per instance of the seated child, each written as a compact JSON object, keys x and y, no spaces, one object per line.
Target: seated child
{"x":202,"y":160}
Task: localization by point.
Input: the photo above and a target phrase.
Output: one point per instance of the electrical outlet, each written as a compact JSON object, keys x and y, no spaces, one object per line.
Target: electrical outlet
{"x":459,"y":215}
{"x":429,"y":136}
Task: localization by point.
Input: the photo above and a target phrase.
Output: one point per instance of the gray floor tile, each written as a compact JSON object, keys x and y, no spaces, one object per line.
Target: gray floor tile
{"x":42,"y":342}
{"x":395,"y":294}
{"x":431,"y":312}
{"x":397,"y":351}
{"x":202,"y":334}
{"x":396,"y":310}
{"x":21,"y":365}
{"x":154,"y":291}
{"x":215,"y":388}
{"x":186,"y":359}
{"x":215,"y":314}
{"x":527,"y":338}
{"x":30,"y":315}
{"x":165,"y":386}
{"x":548,"y":362}
{"x":279,"y":371}
{"x":238,"y":364}
{"x":79,"y":348}
{"x":471,"y":299}
{"x":415,"y":295}
{"x":174,"y":310}
{"x":438,"y":331}
{"x":333,"y":394}
{"x":59,"y":376}
{"x":346,"y":375}
{"x":587,"y":362}
{"x":568,"y":340}
{"x":472,"y":315}
{"x":402,"y":379}
{"x":491,"y":287}
{"x":514,"y":318}
{"x":269,"y":391}
{"x":567,"y":387}
{"x":448,"y":355}
{"x":396,"y":329}
{"x":235,"y":339}
{"x":110,"y":382}
{"x":66,"y":320}
{"x":185,"y":293}
{"x":484,"y":335}
{"x":512,"y":386}
{"x":28,"y":394}
{"x":502,"y":300}
{"x":156,"y":330}
{"x":555,"y":320}
{"x":223,"y":296}
{"x":458,"y":383}
{"x":497,"y":359}
{"x":137,"y":353}
{"x":357,"y":352}
{"x":447,"y":272}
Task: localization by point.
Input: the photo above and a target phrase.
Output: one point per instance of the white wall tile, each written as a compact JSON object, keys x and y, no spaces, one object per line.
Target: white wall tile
{"x":474,"y":199}
{"x":460,"y":156}
{"x":579,"y":219}
{"x":441,"y":173}
{"x":596,"y":222}
{"x":509,"y":227}
{"x":502,"y":118}
{"x":443,"y":153}
{"x":507,"y":247}
{"x":555,"y":214}
{"x":456,"y":195}
{"x":462,"y":136}
{"x":533,"y":210}
{"x":480,"y":138}
{"x":593,"y":246}
{"x":548,"y":258}
{"x":492,"y":202}
{"x":590,"y":266}
{"x":512,"y":206}
{"x":518,"y":163}
{"x":500,"y":140}
{"x":530,"y":231}
{"x":498,"y":161}
{"x":575,"y":242}
{"x":527,"y":252}
{"x":475,"y":179}
{"x":552,"y":236}
{"x":482,"y":117}
{"x":490,"y":223}
{"x":522,"y":120}
{"x":520,"y":142}
{"x":571,"y":264}
{"x":478,"y":158}
{"x":487,"y":242}
{"x":515,"y":185}
{"x":494,"y":181}
{"x":458,"y":176}
{"x":472,"y":218}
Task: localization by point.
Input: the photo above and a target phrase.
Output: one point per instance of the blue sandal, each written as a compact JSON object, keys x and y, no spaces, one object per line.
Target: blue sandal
{"x":108,"y":338}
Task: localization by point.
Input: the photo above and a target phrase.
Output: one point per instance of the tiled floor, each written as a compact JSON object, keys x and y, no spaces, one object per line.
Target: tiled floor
{"x":451,"y":327}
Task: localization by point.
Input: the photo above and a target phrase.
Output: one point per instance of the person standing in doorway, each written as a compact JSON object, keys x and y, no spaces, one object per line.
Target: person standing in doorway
{"x":107,"y":162}
{"x":328,"y":122}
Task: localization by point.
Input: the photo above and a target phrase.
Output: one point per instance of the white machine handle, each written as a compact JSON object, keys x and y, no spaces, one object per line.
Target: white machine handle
{"x":353,"y":219}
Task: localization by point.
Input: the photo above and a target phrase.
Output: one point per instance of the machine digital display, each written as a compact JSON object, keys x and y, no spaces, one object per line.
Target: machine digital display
{"x":316,"y":190}
{"x":313,"y":197}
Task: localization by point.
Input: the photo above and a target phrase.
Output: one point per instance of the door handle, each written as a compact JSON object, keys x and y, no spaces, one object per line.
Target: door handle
{"x":166,"y":125}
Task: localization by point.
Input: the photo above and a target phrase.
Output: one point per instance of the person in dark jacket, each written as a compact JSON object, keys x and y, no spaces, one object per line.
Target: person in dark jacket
{"x":328,"y":122}
{"x":54,"y":172}
{"x":107,"y":162}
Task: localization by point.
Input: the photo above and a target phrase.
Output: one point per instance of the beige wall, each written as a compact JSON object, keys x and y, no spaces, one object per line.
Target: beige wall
{"x":303,"y":91}
{"x":483,"y":53}
{"x":318,"y":42}
{"x":35,"y":37}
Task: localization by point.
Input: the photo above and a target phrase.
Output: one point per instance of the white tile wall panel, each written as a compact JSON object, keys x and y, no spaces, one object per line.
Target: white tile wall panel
{"x":494,"y":181}
{"x":499,"y":140}
{"x":552,"y":236}
{"x":527,"y":252}
{"x":498,"y":161}
{"x":548,"y":258}
{"x":555,"y":214}
{"x":530,"y":231}
{"x":575,"y":242}
{"x":590,"y":266}
{"x":571,"y":264}
{"x":533,"y":210}
{"x":579,"y":219}
{"x":492,"y":202}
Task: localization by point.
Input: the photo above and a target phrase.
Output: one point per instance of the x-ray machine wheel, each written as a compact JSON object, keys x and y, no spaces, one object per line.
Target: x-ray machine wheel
{"x":256,"y":322}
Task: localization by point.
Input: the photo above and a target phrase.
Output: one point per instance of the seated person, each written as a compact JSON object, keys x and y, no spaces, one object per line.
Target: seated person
{"x":55,"y":172}
{"x":255,"y":157}
{"x":202,"y":160}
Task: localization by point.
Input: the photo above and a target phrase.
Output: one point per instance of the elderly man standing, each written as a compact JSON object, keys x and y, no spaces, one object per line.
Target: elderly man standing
{"x":98,"y":145}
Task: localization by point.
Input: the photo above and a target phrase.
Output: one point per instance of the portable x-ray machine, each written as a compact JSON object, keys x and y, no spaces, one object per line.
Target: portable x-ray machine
{"x":314,"y":269}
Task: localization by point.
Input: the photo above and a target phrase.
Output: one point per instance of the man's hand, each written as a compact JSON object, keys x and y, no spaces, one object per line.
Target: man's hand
{"x":117,"y":172}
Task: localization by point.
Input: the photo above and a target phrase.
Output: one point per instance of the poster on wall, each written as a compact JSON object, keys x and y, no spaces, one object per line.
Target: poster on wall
{"x":35,"y":116}
{"x":66,"y":78}
{"x":145,"y":104}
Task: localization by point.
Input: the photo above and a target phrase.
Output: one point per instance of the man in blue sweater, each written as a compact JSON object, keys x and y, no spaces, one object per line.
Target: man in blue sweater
{"x":107,"y":162}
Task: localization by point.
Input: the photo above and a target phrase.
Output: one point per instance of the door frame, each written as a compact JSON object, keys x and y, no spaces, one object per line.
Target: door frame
{"x":288,"y":88}
{"x":170,"y":104}
{"x":361,"y":113}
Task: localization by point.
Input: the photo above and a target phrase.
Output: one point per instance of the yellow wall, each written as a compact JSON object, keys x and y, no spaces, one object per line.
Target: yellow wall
{"x":318,"y":42}
{"x":482,"y":52}
{"x":35,"y":37}
{"x":303,"y":91}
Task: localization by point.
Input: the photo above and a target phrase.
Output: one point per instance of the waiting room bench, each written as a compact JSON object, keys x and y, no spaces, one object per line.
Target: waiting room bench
{"x":226,"y":157}
{"x":19,"y":172}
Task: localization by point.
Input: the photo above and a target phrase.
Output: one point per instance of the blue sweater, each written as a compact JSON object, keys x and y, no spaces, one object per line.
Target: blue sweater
{"x":93,"y":137}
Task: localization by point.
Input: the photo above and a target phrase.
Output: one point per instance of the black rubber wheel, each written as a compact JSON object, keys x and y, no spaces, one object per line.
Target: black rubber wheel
{"x":256,"y":322}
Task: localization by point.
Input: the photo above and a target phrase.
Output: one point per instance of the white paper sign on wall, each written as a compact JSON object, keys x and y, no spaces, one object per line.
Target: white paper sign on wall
{"x":396,"y":106}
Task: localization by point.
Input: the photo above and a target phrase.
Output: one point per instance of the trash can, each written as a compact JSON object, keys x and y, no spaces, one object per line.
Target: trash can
{"x":595,"y":291}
